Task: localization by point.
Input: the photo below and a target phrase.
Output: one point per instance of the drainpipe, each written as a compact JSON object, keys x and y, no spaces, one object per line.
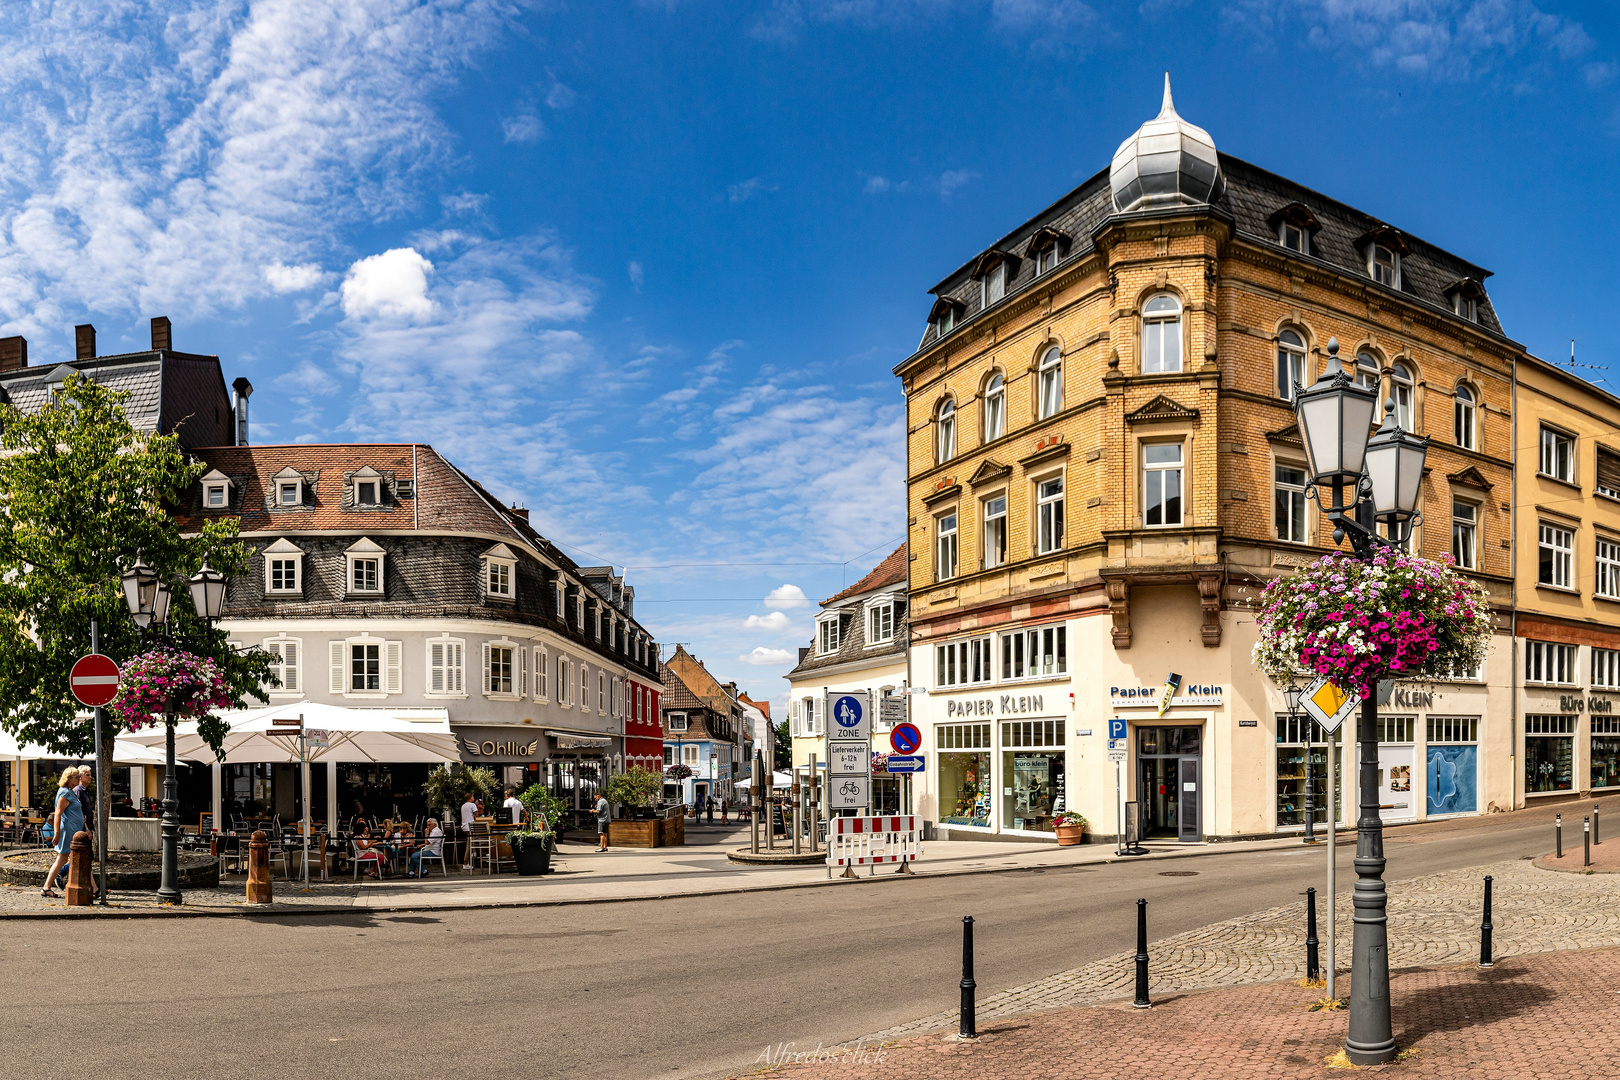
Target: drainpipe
{"x":1513,"y":599}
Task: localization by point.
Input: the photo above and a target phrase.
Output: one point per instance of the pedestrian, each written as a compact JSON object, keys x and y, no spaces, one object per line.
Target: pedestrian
{"x":433,"y":847}
{"x":87,"y":808}
{"x":469,"y":811}
{"x":67,"y":818}
{"x":602,"y":818}
{"x":725,"y":812}
{"x":711,"y":811}
{"x":513,"y":806}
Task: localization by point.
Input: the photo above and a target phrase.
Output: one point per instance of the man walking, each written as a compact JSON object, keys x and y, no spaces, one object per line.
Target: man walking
{"x":602,"y":818}
{"x":87,"y":804}
{"x":469,"y":810}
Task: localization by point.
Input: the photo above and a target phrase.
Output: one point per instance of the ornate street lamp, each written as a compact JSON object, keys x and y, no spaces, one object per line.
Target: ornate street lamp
{"x":1335,"y":416}
{"x":148,"y":597}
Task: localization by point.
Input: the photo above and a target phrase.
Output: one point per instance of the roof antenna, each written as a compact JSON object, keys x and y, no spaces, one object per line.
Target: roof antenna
{"x":1590,"y":367}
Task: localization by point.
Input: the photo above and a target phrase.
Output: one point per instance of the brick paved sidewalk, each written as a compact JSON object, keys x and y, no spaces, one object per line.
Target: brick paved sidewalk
{"x":1549,"y":1016}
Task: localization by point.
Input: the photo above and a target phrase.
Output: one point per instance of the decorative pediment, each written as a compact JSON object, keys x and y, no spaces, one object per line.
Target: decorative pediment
{"x":1161,"y":408}
{"x":988,"y":471}
{"x":945,"y":489}
{"x":364,"y":546}
{"x":365,"y":473}
{"x":500,"y":551}
{"x":1387,"y":235}
{"x":1295,"y":213}
{"x":289,"y":473}
{"x":993,"y":258}
{"x":944,"y":304}
{"x":1470,"y":289}
{"x":215,"y":476}
{"x":1047,"y":237}
{"x":283,"y":546}
{"x":1289,"y":435}
{"x":1047,"y":449}
{"x":1470,"y":477}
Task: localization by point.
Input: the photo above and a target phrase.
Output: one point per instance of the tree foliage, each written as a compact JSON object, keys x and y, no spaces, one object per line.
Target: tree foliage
{"x":783,"y":747}
{"x":635,"y":787}
{"x":82,"y":494}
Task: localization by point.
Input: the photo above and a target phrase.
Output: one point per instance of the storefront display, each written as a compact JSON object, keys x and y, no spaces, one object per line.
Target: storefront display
{"x":1032,"y":776}
{"x":1452,"y":768}
{"x":964,"y":774}
{"x":1549,"y":752}
{"x":1605,"y":751}
{"x":1294,"y":759}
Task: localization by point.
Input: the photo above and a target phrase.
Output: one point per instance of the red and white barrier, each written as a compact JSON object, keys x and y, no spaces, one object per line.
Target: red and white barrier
{"x":864,"y":841}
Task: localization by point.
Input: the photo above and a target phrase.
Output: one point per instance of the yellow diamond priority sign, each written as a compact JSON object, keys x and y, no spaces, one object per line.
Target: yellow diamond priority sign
{"x":1328,"y":704}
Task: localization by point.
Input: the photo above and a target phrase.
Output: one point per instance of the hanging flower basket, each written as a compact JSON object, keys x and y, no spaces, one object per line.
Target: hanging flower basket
{"x":1396,"y":616}
{"x":677,"y":772}
{"x":168,"y":682}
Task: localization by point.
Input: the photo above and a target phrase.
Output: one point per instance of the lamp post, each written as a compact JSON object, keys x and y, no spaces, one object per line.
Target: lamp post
{"x":1361,"y":483}
{"x":148,"y":598}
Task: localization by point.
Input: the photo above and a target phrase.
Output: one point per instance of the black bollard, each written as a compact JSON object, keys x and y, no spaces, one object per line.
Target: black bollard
{"x":1558,"y":831}
{"x":1595,"y":839}
{"x":969,"y":1028}
{"x":1142,"y":1001}
{"x":1485,"y":929}
{"x":1313,"y":968}
{"x":1586,"y":829}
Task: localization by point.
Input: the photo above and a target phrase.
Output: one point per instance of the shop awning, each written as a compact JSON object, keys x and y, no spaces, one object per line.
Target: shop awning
{"x":353,"y":735}
{"x":126,"y":751}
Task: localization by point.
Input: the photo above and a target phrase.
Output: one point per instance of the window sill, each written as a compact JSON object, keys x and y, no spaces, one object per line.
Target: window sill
{"x":364,"y":694}
{"x":284,"y":594}
{"x":1528,"y":685}
{"x":1559,"y":480}
{"x":445,"y":697}
{"x":1558,"y":588}
{"x":1609,"y":599}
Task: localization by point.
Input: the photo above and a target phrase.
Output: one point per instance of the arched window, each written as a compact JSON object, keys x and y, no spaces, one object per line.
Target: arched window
{"x":995,"y":408}
{"x":1467,"y":431}
{"x":1403,"y":388}
{"x":1161,"y":334}
{"x":1051,"y":382}
{"x":1368,"y":372}
{"x":1290,"y":364}
{"x":945,"y":432}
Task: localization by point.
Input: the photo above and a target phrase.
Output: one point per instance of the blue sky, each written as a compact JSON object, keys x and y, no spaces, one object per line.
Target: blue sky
{"x":645,"y":267}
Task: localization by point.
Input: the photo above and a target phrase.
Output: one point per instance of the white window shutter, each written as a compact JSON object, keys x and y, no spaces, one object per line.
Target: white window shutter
{"x":393,"y":680}
{"x":458,"y":669}
{"x":486,"y":667}
{"x":289,"y":667}
{"x":338,"y":682}
{"x":522,"y":671}
{"x":436,"y":672}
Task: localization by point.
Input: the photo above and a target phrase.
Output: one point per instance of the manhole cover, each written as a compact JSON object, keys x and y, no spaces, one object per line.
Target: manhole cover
{"x":1178,"y":873}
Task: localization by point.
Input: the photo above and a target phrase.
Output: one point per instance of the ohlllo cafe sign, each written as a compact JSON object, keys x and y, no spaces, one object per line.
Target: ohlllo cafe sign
{"x":498,"y":745}
{"x":1163,"y":698}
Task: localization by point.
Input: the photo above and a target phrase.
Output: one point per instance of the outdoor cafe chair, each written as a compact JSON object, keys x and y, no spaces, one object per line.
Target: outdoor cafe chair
{"x":480,"y":844}
{"x":427,"y":857}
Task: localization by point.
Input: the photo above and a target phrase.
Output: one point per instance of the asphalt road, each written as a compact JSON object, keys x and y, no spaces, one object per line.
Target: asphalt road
{"x":675,"y":988}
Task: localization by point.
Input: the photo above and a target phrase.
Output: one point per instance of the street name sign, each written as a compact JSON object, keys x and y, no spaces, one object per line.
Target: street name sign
{"x":1328,"y":704}
{"x":907,"y":763}
{"x":94,"y":679}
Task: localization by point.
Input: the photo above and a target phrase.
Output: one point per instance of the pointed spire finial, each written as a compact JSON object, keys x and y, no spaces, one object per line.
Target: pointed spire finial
{"x":1169,"y":108}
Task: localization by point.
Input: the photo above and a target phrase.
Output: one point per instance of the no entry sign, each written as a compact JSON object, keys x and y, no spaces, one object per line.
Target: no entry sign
{"x":94,"y":679}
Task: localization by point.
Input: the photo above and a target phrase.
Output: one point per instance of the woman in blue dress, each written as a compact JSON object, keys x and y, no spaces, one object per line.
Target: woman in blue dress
{"x":66,"y":819}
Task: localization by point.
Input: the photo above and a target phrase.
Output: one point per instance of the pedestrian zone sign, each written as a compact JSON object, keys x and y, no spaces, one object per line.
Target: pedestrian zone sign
{"x":1328,"y":704}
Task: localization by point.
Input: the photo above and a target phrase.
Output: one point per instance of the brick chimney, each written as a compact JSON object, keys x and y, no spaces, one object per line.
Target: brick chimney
{"x":84,"y":342}
{"x":162,"y":336}
{"x":521,"y":511}
{"x":13,"y":353}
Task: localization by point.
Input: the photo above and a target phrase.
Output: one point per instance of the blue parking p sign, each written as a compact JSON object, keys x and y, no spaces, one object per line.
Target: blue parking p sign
{"x":1116,"y":729}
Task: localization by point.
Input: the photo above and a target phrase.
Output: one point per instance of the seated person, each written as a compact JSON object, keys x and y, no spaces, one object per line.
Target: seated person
{"x":434,"y":847}
{"x":367,"y":850}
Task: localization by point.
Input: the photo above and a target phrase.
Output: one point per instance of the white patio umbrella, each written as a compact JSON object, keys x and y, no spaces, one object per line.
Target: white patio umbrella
{"x":126,"y":751}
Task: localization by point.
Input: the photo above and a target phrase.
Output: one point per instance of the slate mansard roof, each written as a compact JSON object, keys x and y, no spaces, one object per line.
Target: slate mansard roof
{"x":852,"y":643}
{"x":1252,"y":198}
{"x":168,"y":391}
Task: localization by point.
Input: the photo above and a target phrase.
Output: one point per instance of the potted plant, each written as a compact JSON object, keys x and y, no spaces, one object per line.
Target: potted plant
{"x":1070,"y":827}
{"x":542,"y":805}
{"x":531,"y":852}
{"x":637,"y":789}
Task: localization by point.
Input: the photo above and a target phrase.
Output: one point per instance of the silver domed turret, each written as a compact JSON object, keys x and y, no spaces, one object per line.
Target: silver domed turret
{"x":1168,"y":162}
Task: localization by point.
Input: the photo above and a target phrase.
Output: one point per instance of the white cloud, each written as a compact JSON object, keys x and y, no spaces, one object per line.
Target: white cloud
{"x":560,"y":96}
{"x":776,"y":620}
{"x":392,"y":285}
{"x":290,"y":279}
{"x":741,"y":193}
{"x":1051,"y":23}
{"x":787,"y":596}
{"x":953,"y":180}
{"x":878,"y":185}
{"x":523,"y":127}
{"x":637,"y":275}
{"x":761,"y":656}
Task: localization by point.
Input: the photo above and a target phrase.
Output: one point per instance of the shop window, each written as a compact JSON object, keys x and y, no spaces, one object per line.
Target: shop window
{"x":1557,"y":556}
{"x":1549,"y":752}
{"x":1452,"y":766}
{"x":964,"y":774}
{"x":962,"y":663}
{"x":1605,"y":751}
{"x":1035,"y":654}
{"x":1294,"y":760}
{"x":1032,"y":773}
{"x":1549,"y":662}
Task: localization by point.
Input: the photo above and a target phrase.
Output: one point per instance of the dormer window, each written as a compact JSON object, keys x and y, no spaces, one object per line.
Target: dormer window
{"x":994,"y":284}
{"x":947,"y":321}
{"x":365,"y":568}
{"x":283,"y":569}
{"x":993,"y":271}
{"x":366,"y":488}
{"x":830,"y":635}
{"x":1045,"y":247}
{"x":1384,"y":265}
{"x":1465,"y":297}
{"x":216,"y":489}
{"x":287,"y":488}
{"x":1294,"y":225}
{"x":880,"y":622}
{"x":1292,"y":237}
{"x":500,"y":573}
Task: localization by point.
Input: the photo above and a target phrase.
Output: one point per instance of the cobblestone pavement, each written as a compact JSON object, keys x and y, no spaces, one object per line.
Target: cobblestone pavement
{"x":1551,"y":1016}
{"x":1432,"y":920}
{"x":231,"y":896}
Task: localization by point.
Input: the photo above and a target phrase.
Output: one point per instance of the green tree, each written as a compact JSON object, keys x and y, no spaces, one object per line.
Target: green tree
{"x":82,"y":494}
{"x":784,"y":747}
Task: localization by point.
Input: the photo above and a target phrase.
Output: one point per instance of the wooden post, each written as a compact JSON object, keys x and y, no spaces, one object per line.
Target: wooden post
{"x":80,"y":890}
{"x":258,"y":879}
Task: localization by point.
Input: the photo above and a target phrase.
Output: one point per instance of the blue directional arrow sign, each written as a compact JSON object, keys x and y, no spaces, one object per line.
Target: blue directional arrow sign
{"x":907,"y":763}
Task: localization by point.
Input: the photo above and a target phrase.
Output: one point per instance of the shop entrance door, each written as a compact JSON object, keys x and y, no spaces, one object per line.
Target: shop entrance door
{"x":1168,"y":782}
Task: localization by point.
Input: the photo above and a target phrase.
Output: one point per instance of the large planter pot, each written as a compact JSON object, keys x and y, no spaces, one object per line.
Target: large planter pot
{"x":633,"y":833}
{"x":1069,"y":835}
{"x":533,"y":858}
